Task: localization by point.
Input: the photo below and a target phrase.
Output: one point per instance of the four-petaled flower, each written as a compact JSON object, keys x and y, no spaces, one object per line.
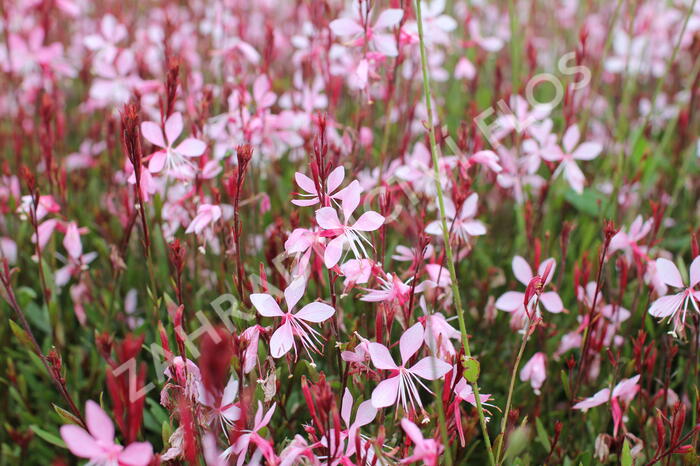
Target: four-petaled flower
{"x":97,"y":444}
{"x":172,"y":158}
{"x":327,"y":218}
{"x":401,"y":386}
{"x":670,"y":305}
{"x":293,"y":324}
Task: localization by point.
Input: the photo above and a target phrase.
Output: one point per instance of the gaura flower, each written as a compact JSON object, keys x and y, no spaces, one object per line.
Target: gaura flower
{"x":401,"y":386}
{"x":97,"y":443}
{"x":675,"y":306}
{"x":293,"y":324}
{"x":171,"y":158}
{"x":347,"y":232}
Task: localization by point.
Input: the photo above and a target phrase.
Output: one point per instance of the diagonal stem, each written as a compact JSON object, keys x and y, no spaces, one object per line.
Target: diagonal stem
{"x":445,"y":233}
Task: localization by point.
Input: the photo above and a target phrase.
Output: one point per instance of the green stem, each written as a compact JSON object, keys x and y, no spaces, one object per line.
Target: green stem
{"x":446,"y":239}
{"x":504,"y":421}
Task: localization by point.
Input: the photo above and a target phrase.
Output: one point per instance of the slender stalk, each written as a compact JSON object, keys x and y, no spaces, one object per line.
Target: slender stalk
{"x":60,"y":384}
{"x":446,"y":237}
{"x":511,"y":388}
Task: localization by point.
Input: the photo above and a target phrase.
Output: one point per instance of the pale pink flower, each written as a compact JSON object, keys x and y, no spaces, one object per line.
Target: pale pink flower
{"x":172,"y":158}
{"x":535,"y":371}
{"x":8,"y":249}
{"x":97,"y":444}
{"x":293,"y":324}
{"x":464,"y":392}
{"x":670,"y":305}
{"x":357,"y":271}
{"x":186,"y":373}
{"x":513,"y":301}
{"x":438,"y":334}
{"x":628,"y":241}
{"x":462,"y":224}
{"x":76,"y":261}
{"x":465,"y":69}
{"x":251,"y":336}
{"x":302,"y":242}
{"x":335,"y":178}
{"x":347,"y":232}
{"x":573,"y":151}
{"x":346,"y":441}
{"x":377,"y":35}
{"x":225,"y":411}
{"x":206,"y":214}
{"x":392,"y":290}
{"x":240,"y":448}
{"x":623,"y":393}
{"x":426,"y":450}
{"x":401,"y":386}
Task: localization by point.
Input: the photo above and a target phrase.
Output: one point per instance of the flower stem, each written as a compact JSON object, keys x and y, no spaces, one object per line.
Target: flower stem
{"x":446,"y":238}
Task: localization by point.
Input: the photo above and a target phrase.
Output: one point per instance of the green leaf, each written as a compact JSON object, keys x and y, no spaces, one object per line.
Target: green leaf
{"x":472,"y":368}
{"x":565,"y":383}
{"x":588,"y":202}
{"x":48,"y":437}
{"x":65,"y":415}
{"x":626,"y":457}
{"x":20,"y":334}
{"x":542,"y":436}
{"x":517,"y":442}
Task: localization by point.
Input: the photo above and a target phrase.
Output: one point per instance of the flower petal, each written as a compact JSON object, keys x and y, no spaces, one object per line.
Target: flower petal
{"x":381,"y":358}
{"x":522,"y":270}
{"x":266,"y":305}
{"x":98,"y":423}
{"x":173,"y":127}
{"x":191,"y":147}
{"x":136,"y":454}
{"x":282,"y":341}
{"x":411,"y":341}
{"x":79,"y":442}
{"x":327,"y":218}
{"x":369,"y":221}
{"x":152,"y":133}
{"x":668,"y":273}
{"x":386,"y":392}
{"x":430,"y":368}
{"x":315,"y":312}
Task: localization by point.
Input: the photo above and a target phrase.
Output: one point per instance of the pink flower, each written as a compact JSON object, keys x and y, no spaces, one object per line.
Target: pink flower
{"x":206,"y":214}
{"x":462,"y":224}
{"x":571,"y":153}
{"x":357,"y":271}
{"x":426,"y":450}
{"x":173,"y":158}
{"x":240,"y":448}
{"x":670,"y":305}
{"x":438,"y":334}
{"x":335,"y":178}
{"x":225,"y":410}
{"x":98,"y":445}
{"x":302,"y":242}
{"x":623,"y":392}
{"x":392,"y":290}
{"x":513,"y":301}
{"x":293,"y":324}
{"x":76,"y":261}
{"x":8,"y":249}
{"x":359,"y":34}
{"x":401,"y":386}
{"x":327,"y":218}
{"x":628,"y":241}
{"x":464,"y":392}
{"x":535,"y":371}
